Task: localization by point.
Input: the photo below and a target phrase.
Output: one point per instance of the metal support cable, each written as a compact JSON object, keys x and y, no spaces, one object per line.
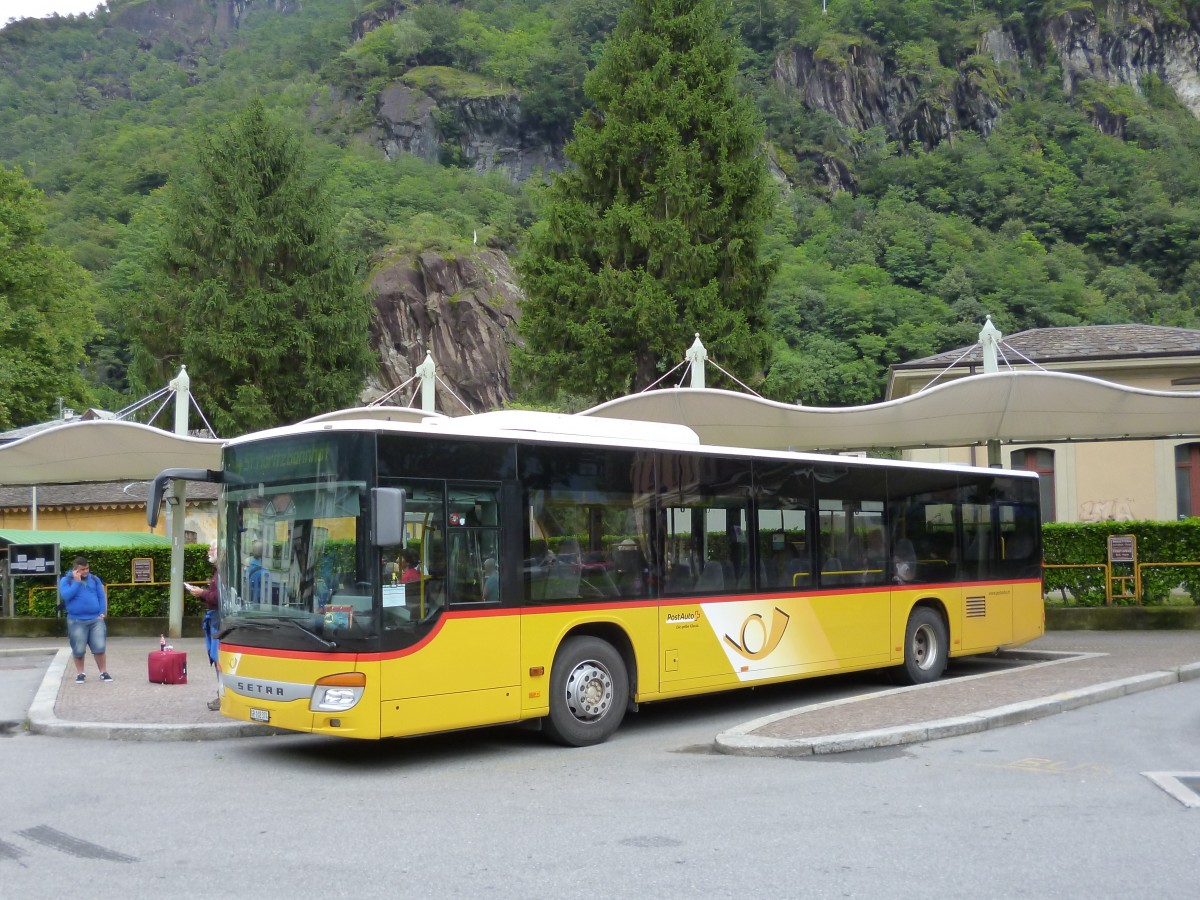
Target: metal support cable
{"x":949,"y":367}
{"x":200,"y":412}
{"x":665,"y":375}
{"x":129,"y":410}
{"x":734,"y":379}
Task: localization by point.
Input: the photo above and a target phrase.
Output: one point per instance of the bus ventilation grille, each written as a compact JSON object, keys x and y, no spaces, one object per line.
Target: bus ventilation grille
{"x":976,"y":607}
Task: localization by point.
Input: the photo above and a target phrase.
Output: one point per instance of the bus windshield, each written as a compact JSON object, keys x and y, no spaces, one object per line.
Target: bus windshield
{"x":293,"y":575}
{"x":296,"y":568}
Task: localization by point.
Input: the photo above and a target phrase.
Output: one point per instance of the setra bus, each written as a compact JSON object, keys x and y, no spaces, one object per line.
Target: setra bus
{"x":383,"y":578}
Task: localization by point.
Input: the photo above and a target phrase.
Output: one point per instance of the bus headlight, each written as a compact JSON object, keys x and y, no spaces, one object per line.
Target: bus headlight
{"x":338,"y":693}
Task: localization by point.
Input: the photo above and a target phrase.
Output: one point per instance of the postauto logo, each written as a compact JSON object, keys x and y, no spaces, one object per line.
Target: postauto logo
{"x":757,"y":640}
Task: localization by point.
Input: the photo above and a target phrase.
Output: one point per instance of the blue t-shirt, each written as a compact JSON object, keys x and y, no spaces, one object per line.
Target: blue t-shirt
{"x":84,"y":599}
{"x":256,"y":572}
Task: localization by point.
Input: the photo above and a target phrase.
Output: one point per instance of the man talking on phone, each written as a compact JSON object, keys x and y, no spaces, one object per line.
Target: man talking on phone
{"x":86,"y":603}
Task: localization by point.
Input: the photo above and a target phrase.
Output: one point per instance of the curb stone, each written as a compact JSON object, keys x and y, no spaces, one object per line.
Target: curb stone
{"x":42,"y":719}
{"x":739,"y":742}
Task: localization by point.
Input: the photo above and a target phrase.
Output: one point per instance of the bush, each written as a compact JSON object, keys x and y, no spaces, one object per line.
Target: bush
{"x":1087,"y":544}
{"x":38,"y":597}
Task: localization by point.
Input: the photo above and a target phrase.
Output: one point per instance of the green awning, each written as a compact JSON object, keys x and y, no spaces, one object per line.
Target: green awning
{"x":97,"y":540}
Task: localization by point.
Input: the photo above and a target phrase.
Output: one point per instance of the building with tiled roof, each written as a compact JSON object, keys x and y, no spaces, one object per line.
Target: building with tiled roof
{"x":101,"y":506}
{"x":68,"y":415}
{"x":1087,"y":481}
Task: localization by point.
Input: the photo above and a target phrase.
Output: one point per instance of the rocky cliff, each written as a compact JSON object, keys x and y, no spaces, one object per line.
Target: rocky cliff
{"x":480,"y":127}
{"x":1125,"y":43}
{"x":1130,"y":42}
{"x":463,"y":310}
{"x":192,"y":21}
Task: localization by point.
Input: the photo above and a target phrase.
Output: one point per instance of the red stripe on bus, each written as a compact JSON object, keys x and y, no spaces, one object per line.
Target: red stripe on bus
{"x":377,"y":656}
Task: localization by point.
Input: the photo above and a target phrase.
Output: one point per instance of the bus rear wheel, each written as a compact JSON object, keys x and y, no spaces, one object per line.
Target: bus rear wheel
{"x":926,"y":647}
{"x":589,"y":689}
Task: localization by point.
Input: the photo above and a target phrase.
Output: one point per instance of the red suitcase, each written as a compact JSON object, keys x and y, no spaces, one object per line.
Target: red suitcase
{"x":168,"y":667}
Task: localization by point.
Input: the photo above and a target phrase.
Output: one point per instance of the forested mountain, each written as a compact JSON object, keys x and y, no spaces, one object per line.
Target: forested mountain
{"x":936,"y":160}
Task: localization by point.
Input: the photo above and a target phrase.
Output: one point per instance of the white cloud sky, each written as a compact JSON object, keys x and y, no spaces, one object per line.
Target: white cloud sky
{"x":38,"y":9}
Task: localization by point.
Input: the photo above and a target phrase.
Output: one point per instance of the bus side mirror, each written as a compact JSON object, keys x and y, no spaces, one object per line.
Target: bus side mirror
{"x":387,"y":522}
{"x":159,"y":486}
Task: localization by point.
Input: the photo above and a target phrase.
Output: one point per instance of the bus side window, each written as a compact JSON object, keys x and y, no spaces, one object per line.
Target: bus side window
{"x":473,"y":538}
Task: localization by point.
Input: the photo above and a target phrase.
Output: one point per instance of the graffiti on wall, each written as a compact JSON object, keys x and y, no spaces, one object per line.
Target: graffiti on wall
{"x":1106,"y":511}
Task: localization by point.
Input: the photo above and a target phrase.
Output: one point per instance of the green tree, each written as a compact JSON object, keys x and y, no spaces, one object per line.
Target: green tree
{"x":253,"y":293}
{"x":654,"y":233}
{"x":45,"y":312}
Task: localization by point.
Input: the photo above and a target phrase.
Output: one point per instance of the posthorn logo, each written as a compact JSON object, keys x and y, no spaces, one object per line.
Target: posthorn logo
{"x":756,"y":640}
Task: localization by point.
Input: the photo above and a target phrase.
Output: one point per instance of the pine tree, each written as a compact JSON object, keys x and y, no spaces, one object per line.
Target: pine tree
{"x":256,"y":298}
{"x":654,"y":233}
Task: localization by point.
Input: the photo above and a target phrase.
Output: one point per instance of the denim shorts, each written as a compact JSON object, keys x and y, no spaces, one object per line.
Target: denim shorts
{"x":86,"y":633}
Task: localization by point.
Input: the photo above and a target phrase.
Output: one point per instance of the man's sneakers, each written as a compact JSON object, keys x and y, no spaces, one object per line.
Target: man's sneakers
{"x":81,"y":678}
{"x":214,"y":704}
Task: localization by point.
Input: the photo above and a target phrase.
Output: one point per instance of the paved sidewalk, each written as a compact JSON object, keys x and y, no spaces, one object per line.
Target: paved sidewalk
{"x":130,"y":707}
{"x":1062,"y":671}
{"x":1067,"y":669}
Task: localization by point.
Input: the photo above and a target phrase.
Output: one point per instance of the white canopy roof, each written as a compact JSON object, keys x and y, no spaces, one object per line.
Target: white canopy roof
{"x":379,"y":413}
{"x":1009,"y":406}
{"x":102,"y":450}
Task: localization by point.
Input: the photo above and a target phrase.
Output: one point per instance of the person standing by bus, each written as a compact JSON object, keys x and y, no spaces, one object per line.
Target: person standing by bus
{"x":211,"y":596}
{"x":86,"y":604}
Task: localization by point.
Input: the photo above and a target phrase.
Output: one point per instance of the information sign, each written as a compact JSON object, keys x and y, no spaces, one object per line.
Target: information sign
{"x":143,"y":570}
{"x":32,"y":559}
{"x":1122,"y":548}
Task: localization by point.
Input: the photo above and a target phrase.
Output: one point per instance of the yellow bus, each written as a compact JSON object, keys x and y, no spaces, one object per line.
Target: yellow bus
{"x":384,"y":579}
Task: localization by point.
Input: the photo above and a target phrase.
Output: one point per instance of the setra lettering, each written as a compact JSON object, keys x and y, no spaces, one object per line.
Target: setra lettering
{"x":249,"y":687}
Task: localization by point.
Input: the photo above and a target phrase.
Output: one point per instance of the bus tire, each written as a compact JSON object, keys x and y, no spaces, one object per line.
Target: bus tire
{"x":926,"y":647}
{"x":589,"y":690}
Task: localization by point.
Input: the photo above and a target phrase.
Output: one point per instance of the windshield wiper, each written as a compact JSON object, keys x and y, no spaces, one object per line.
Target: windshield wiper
{"x":259,"y":625}
{"x":230,"y":629}
{"x":312,"y":634}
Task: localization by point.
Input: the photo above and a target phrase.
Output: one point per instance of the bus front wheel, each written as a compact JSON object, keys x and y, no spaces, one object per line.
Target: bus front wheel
{"x":926,"y":647}
{"x":589,"y":689}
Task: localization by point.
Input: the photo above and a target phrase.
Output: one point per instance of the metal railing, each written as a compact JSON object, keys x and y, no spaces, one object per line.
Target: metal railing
{"x":1122,"y":581}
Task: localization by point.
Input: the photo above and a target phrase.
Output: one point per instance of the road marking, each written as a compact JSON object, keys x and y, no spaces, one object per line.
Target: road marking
{"x":1183,"y":786}
{"x":57,"y":840}
{"x":1042,"y":766}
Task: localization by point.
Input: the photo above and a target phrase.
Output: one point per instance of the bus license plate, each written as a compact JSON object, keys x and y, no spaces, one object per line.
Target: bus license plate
{"x":260,"y":715}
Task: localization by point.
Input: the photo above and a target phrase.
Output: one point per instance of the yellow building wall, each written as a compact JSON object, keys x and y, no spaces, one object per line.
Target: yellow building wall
{"x":1094,"y":481}
{"x":202,"y":520}
{"x":1112,"y":481}
{"x":1115,"y":481}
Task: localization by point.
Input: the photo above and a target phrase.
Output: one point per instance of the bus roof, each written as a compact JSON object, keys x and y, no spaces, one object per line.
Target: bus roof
{"x":546,"y":427}
{"x":508,"y":421}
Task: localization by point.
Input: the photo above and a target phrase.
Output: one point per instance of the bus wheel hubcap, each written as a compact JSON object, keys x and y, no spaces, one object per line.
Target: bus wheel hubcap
{"x":925,"y":647}
{"x":589,"y":691}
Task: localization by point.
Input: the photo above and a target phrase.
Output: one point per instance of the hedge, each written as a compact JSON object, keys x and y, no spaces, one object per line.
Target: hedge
{"x":1064,"y":543}
{"x":1072,"y":543}
{"x":38,"y":597}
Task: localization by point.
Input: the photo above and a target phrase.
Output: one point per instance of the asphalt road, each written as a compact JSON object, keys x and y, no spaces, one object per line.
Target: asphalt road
{"x":1058,"y":807}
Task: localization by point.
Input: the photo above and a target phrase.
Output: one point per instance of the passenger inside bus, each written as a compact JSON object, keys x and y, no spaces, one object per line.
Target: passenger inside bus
{"x":491,"y":581}
{"x":410,"y":566}
{"x":876,"y":556}
{"x":904,"y":562}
